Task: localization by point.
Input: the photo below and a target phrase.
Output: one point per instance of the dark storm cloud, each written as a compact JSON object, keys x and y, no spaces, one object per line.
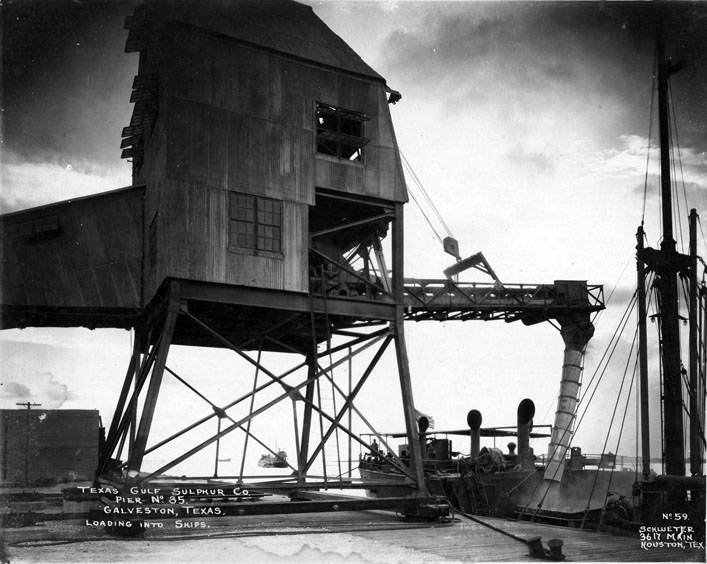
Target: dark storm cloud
{"x":66,"y":79}
{"x":539,"y":41}
{"x":597,"y":52}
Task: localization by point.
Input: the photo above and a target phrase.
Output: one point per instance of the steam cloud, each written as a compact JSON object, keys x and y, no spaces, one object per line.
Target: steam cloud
{"x":36,"y":388}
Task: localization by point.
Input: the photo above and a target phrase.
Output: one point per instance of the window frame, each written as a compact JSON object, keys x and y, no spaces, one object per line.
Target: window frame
{"x":361,"y":140}
{"x":257,"y":222}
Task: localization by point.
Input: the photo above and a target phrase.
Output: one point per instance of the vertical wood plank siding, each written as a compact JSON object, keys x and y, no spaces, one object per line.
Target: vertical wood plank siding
{"x":196,"y":244}
{"x":266,"y":102}
{"x":93,"y":259}
{"x":237,"y":118}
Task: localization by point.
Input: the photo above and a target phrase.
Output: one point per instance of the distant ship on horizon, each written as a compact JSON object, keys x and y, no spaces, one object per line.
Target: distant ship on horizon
{"x":273,"y":461}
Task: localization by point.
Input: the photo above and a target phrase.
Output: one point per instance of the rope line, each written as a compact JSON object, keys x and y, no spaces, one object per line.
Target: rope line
{"x":622,"y":326}
{"x":618,"y":441}
{"x":613,"y":344}
{"x":677,"y":146}
{"x":648,"y":152}
{"x":611,"y":422}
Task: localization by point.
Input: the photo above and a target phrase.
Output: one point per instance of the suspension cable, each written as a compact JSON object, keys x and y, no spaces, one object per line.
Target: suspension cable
{"x":648,"y":152}
{"x":677,"y":145}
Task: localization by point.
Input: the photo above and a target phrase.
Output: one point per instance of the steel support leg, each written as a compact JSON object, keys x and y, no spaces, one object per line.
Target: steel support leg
{"x":135,"y":461}
{"x":402,"y":355}
{"x":307,"y":416}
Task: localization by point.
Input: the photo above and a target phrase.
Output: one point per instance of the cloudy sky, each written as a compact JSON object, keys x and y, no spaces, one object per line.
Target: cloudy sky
{"x":526,"y":122}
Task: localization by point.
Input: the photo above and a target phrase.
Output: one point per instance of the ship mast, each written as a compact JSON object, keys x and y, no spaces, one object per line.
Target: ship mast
{"x":667,"y":263}
{"x":672,"y":387}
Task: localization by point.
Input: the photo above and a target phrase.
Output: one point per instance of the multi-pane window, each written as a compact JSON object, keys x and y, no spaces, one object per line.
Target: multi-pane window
{"x":340,"y":132}
{"x":255,"y":223}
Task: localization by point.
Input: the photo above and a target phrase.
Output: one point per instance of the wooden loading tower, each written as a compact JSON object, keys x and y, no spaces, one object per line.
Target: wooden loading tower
{"x":267,"y":191}
{"x":271,"y":176}
{"x":266,"y":215}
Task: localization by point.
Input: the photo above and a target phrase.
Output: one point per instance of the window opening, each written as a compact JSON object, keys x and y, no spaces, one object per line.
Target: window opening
{"x":340,"y":132}
{"x":255,"y":223}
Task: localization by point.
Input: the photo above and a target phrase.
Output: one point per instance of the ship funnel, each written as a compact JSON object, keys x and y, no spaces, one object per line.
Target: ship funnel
{"x":473,"y":419}
{"x":526,"y":412}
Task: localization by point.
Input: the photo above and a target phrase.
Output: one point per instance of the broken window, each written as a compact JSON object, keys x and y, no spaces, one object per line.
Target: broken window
{"x":255,"y":223}
{"x":340,"y":132}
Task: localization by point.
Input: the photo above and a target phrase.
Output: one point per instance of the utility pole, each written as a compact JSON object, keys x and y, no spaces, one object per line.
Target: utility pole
{"x":29,"y":406}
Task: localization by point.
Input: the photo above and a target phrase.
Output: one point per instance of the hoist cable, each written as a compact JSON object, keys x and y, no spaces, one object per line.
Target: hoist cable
{"x":422,"y":211}
{"x":426,"y":195}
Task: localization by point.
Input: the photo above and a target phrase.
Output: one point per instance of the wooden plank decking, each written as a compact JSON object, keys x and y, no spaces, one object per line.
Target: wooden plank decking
{"x":371,"y":536}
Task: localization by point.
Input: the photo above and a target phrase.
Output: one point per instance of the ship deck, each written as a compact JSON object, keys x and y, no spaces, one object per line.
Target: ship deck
{"x":368,"y":536}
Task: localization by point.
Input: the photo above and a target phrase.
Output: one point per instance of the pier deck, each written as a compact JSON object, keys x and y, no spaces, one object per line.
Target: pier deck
{"x":371,"y":536}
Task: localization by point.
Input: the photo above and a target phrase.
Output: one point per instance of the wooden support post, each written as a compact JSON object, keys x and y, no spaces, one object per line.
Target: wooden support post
{"x":643,"y":356}
{"x":153,"y":390}
{"x":402,"y":356}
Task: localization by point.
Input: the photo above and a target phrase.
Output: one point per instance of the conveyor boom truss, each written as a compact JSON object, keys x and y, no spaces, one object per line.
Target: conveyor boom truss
{"x":447,"y":300}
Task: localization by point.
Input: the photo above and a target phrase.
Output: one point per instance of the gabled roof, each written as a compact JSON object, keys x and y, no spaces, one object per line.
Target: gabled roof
{"x":280,"y":25}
